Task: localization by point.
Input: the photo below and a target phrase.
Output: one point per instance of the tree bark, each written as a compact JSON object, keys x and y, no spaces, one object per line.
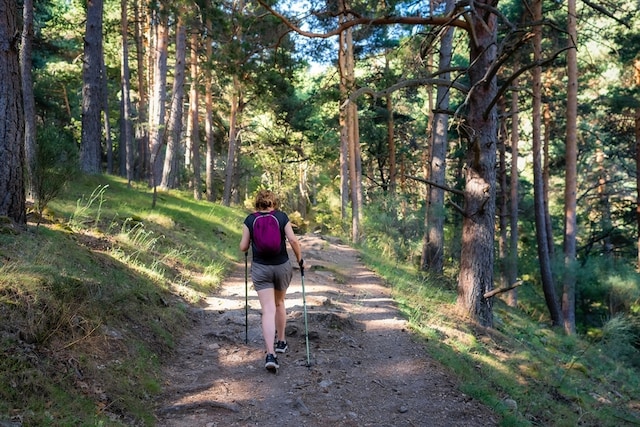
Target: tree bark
{"x":478,"y":235}
{"x":571,"y":180}
{"x":104,"y":96}
{"x":174,"y":125}
{"x":208,"y":122}
{"x":512,"y":274}
{"x":548,"y":285}
{"x":12,"y":188}
{"x":92,"y":102}
{"x":157,"y":99}
{"x":142,"y":130}
{"x":28,"y":98}
{"x":194,"y":134}
{"x":126,"y":128}
{"x":344,"y":130}
{"x":433,"y":250}
{"x":236,"y":100}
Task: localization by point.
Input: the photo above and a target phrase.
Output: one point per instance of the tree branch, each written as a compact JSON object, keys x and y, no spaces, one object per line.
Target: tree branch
{"x":442,"y":187}
{"x":401,"y":85}
{"x":606,"y":12}
{"x":386,"y":20}
{"x":495,"y":292}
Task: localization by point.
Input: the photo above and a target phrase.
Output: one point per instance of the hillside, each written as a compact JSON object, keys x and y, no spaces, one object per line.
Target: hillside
{"x":113,"y":313}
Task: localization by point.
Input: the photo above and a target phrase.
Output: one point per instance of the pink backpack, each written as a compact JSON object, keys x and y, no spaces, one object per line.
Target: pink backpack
{"x":266,"y":233}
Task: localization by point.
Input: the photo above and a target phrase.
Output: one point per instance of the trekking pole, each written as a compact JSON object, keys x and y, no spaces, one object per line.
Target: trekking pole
{"x":246,"y":299}
{"x":304,"y":305}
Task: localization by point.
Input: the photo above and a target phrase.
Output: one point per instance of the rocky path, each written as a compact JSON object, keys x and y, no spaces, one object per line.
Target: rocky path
{"x":366,"y":368}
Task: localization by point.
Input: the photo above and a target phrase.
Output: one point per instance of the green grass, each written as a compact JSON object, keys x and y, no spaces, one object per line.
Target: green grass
{"x":554,"y":379}
{"x":93,"y":299}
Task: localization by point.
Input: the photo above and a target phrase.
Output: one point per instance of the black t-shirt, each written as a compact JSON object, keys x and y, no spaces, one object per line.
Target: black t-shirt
{"x":269,"y":259}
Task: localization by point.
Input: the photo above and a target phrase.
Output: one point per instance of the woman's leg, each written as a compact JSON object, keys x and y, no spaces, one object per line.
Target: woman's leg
{"x":281,"y":314}
{"x":268,"y":305}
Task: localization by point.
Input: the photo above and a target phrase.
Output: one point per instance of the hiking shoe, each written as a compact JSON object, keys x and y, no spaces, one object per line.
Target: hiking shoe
{"x":271,"y":363}
{"x":281,"y":346}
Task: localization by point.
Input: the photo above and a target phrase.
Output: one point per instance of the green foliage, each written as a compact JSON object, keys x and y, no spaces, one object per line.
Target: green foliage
{"x":56,"y":164}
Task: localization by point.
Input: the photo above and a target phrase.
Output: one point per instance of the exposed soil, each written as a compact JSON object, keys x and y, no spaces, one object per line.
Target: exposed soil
{"x":364,"y":366}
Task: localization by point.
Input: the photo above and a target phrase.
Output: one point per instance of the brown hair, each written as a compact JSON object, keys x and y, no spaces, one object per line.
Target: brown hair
{"x":266,"y":199}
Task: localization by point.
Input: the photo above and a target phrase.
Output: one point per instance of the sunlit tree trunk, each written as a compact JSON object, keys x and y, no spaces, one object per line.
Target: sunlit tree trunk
{"x":28,"y":98}
{"x":208,"y":125}
{"x":174,"y":125}
{"x":544,"y":259}
{"x":353,"y":137}
{"x":157,"y":99}
{"x":344,"y":130}
{"x":230,"y":168}
{"x":571,"y":179}
{"x":126,"y":129}
{"x":92,"y":102}
{"x":12,"y":189}
{"x":194,"y":134}
{"x":433,"y":248}
{"x":478,"y":235}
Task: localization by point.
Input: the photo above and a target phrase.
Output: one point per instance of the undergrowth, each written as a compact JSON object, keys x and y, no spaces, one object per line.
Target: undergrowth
{"x":94,"y":294}
{"x":528,"y":373}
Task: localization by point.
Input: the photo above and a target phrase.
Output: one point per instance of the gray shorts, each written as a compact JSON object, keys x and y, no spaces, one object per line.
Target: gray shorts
{"x":271,"y":276}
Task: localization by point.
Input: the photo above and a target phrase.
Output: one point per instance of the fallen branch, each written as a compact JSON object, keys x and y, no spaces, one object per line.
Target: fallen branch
{"x":495,"y":292}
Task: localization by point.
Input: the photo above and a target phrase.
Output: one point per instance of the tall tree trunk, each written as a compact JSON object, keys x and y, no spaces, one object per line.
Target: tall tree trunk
{"x":28,"y":98}
{"x":12,"y":188}
{"x":208,"y":121}
{"x":353,"y":137}
{"x":104,"y":95}
{"x":433,"y":249}
{"x":174,"y":125}
{"x":571,"y":179}
{"x":512,"y":275}
{"x":142,"y":128}
{"x":391,"y":144}
{"x":157,"y":99}
{"x":546,"y":171}
{"x":236,"y":100}
{"x":478,"y":225}
{"x":194,"y":135}
{"x":344,"y":130}
{"x":502,"y":198}
{"x":92,"y":102}
{"x":544,"y":258}
{"x":126,"y":129}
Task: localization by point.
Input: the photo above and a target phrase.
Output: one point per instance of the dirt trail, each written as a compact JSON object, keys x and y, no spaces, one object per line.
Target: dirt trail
{"x":365,"y":370}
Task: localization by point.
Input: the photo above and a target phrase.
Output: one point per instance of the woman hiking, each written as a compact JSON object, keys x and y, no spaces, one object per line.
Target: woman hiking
{"x":271,"y":270}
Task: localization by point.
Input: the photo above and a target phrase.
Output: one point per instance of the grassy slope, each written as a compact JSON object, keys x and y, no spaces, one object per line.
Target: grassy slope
{"x":91,"y":303}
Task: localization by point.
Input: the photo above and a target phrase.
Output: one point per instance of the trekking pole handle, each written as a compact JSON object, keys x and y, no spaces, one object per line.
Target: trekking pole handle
{"x":301,"y":264}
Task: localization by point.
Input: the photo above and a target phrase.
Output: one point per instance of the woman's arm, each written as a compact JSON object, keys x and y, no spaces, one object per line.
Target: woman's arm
{"x":245,"y":241}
